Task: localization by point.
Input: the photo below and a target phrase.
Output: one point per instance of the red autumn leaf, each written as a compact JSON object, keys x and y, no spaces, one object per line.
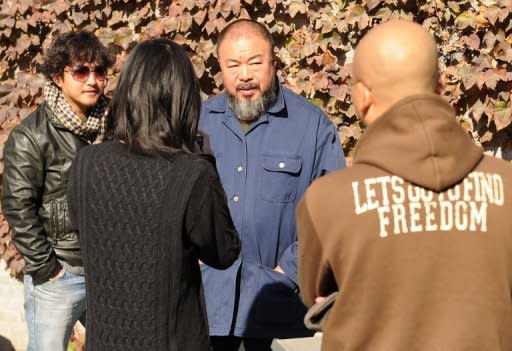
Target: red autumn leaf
{"x":454,"y":6}
{"x":465,"y":20}
{"x":502,"y":118}
{"x":245,"y":14}
{"x":111,"y":84}
{"x":4,"y":227}
{"x":329,"y":59}
{"x":228,"y":7}
{"x":473,"y":41}
{"x":492,"y":77}
{"x":199,"y":66}
{"x":297,"y":6}
{"x":153,"y":29}
{"x":205,"y":49}
{"x":79,"y":17}
{"x":363,"y":21}
{"x":169,"y":24}
{"x":22,"y":24}
{"x":189,"y":4}
{"x":180,"y":39}
{"x":124,"y":37}
{"x":60,"y":7}
{"x":272,"y":3}
{"x":145,"y":11}
{"x":8,"y":22}
{"x":371,"y":4}
{"x":22,"y":44}
{"x":175,"y":9}
{"x":504,"y":95}
{"x":489,"y":40}
{"x":105,"y":11}
{"x":199,"y":16}
{"x":327,"y":26}
{"x":217,"y":78}
{"x":477,"y":110}
{"x":492,"y":13}
{"x":339,"y":92}
{"x":504,"y":12}
{"x":309,"y":48}
{"x":117,"y":17}
{"x":320,"y":81}
{"x":209,"y":27}
{"x":106,"y":35}
{"x":384,"y":13}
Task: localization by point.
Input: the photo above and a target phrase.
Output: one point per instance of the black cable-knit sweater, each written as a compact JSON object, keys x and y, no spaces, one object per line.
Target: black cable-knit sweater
{"x":143,"y":224}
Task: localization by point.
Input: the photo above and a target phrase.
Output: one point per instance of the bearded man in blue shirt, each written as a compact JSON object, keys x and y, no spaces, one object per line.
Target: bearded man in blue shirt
{"x":270,"y":144}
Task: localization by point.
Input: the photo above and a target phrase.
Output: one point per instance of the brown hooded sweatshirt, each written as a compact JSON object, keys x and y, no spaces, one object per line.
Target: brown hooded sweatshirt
{"x":416,"y":237}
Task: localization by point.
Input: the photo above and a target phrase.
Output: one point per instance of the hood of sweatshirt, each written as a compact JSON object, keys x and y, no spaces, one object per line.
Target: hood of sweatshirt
{"x":419,"y":140}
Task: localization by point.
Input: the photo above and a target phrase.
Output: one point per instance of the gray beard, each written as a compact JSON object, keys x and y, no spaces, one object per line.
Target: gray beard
{"x":248,"y":110}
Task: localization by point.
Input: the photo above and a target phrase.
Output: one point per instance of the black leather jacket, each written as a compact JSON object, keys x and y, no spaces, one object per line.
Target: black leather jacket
{"x":37,"y":161}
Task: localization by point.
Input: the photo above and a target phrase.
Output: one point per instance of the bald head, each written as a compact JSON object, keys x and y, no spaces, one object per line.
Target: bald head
{"x":394,"y":60}
{"x":242,"y":28}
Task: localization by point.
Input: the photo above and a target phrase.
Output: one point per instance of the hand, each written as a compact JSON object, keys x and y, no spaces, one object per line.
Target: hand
{"x":59,"y":275}
{"x":200,"y":262}
{"x":279,"y":270}
{"x":204,"y":146}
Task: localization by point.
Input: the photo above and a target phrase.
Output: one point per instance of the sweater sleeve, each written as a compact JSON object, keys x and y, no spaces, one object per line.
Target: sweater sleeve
{"x":315,"y":276}
{"x":209,"y":224}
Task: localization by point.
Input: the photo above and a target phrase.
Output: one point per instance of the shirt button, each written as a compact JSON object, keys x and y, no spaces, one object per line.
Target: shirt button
{"x":239,"y":169}
{"x":236,"y":198}
{"x":281,"y":165}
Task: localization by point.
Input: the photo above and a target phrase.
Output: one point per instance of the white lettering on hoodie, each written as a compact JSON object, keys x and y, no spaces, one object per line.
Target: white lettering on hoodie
{"x":405,"y":208}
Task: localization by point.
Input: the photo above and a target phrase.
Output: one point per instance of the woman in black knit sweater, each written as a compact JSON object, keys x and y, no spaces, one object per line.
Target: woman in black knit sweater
{"x":149,"y":209}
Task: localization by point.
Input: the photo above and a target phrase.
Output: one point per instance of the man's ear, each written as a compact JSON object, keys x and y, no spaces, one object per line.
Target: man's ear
{"x":362,"y":99}
{"x":57,"y":79}
{"x":366,"y":98}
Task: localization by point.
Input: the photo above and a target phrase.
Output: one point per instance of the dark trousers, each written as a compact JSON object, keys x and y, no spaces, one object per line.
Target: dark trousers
{"x":232,"y":343}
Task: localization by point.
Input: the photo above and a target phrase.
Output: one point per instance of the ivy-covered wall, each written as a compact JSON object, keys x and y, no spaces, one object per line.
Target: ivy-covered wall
{"x":315,"y":42}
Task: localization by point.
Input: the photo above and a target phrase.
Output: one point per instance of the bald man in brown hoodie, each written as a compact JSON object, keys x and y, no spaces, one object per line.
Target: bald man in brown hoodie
{"x":417,"y":235}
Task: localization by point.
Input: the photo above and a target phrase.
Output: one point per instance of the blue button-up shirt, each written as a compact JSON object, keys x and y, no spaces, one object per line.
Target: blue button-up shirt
{"x":264,"y":173}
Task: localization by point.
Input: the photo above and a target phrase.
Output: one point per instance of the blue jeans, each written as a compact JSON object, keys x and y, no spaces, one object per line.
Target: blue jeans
{"x":51,"y":311}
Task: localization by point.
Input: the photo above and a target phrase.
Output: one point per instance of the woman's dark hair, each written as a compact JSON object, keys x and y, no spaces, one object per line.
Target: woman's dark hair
{"x":73,"y":47}
{"x":156,"y":104}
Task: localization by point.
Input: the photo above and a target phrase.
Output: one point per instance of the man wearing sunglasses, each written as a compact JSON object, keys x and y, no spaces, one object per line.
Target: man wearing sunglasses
{"x":37,"y":159}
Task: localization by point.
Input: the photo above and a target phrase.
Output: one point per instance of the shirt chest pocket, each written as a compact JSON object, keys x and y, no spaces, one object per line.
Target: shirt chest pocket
{"x":280,"y":177}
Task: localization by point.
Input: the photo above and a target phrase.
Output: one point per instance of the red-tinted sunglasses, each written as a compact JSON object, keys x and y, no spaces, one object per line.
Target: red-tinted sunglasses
{"x":81,"y":73}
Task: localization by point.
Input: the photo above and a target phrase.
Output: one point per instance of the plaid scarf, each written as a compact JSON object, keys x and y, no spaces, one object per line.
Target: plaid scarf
{"x":93,"y":125}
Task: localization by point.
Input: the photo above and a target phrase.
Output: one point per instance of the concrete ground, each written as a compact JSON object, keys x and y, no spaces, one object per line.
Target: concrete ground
{"x":13,"y":331}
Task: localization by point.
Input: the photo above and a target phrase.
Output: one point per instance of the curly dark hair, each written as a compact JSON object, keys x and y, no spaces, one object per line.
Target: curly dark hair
{"x":73,"y":47}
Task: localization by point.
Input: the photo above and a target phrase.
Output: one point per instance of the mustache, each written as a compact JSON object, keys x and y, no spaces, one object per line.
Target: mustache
{"x":247,"y":86}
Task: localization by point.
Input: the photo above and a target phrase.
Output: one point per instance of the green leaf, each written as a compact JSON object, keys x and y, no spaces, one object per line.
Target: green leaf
{"x":318,"y":102}
{"x":465,"y":20}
